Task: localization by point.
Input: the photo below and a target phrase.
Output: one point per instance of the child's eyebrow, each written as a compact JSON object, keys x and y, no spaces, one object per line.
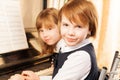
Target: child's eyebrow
{"x":64,"y":22}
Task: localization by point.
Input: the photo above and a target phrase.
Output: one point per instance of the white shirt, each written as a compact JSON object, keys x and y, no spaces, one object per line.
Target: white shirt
{"x":77,"y":66}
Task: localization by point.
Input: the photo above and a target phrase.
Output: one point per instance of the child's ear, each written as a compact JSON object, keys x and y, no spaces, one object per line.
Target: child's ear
{"x":89,"y":34}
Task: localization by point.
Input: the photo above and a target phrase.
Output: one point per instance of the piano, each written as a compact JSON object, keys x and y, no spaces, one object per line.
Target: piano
{"x":27,"y":59}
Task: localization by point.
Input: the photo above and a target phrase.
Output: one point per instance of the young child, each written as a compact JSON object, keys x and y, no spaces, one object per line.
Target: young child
{"x":47,"y":26}
{"x":77,"y":60}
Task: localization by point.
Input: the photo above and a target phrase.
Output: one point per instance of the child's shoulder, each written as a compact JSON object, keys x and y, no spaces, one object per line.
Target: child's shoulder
{"x":60,"y":44}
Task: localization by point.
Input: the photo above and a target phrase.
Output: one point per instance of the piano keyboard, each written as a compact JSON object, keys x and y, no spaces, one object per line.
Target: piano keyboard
{"x":45,"y":72}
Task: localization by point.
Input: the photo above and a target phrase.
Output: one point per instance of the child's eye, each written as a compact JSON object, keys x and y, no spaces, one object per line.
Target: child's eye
{"x":41,"y":30}
{"x":49,"y":28}
{"x":65,"y":24}
{"x":78,"y":26}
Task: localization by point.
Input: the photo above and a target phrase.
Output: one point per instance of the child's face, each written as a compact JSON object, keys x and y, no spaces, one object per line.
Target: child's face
{"x":50,"y":35}
{"x":73,"y":33}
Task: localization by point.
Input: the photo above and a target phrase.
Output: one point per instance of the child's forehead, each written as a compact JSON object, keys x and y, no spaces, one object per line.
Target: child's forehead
{"x":47,"y":26}
{"x":76,"y":20}
{"x":47,"y":23}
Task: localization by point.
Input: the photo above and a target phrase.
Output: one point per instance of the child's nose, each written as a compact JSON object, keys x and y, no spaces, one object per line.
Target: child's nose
{"x":71,"y":31}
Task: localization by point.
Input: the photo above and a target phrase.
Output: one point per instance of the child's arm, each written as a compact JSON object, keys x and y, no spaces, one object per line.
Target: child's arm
{"x":40,"y":75}
{"x":48,"y":71}
{"x":30,"y":75}
{"x":17,"y":77}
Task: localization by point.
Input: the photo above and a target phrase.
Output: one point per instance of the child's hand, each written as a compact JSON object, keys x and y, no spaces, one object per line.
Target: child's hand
{"x":30,"y":75}
{"x":17,"y":77}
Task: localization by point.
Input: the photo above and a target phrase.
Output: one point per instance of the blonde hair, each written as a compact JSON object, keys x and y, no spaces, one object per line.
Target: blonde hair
{"x":80,"y":11}
{"x":47,"y":18}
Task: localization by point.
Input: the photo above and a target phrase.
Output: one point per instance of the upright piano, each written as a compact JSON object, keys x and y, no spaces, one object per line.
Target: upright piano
{"x":26,"y":59}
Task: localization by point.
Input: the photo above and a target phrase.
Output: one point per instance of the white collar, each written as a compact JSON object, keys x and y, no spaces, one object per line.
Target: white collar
{"x":65,"y":48}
